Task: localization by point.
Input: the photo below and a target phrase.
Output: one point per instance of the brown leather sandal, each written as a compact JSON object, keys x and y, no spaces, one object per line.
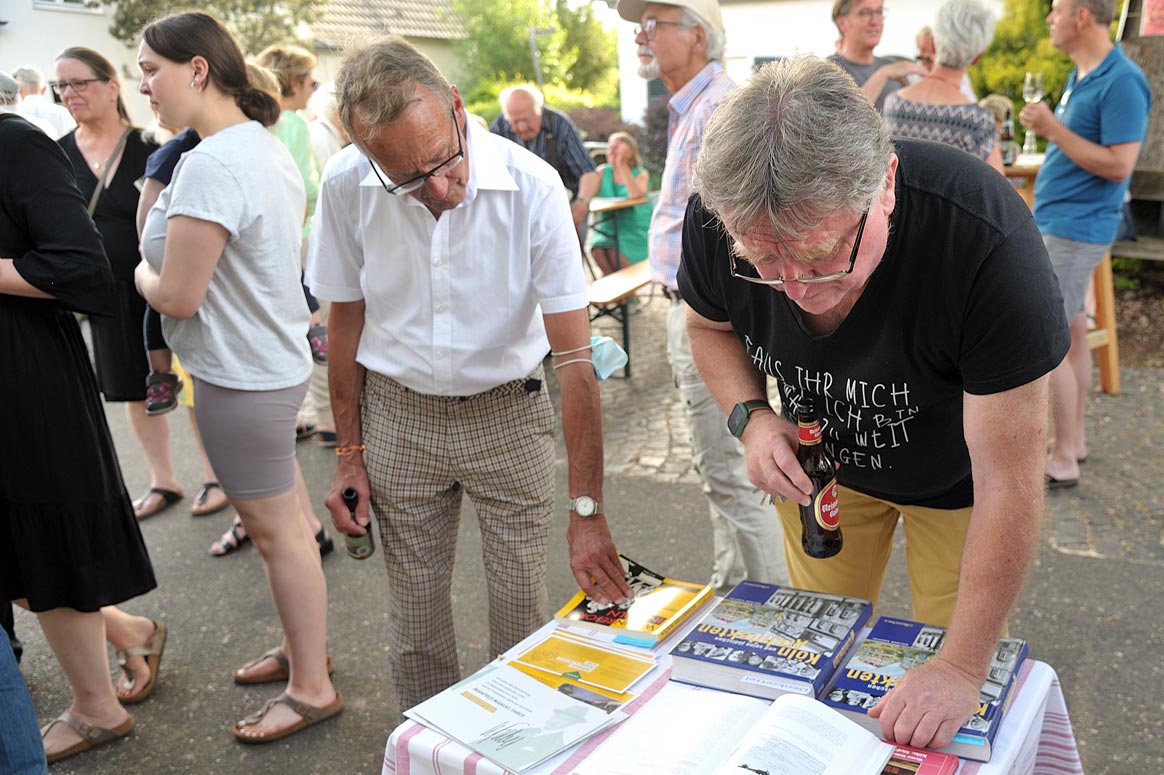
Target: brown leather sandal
{"x":309,"y":715}
{"x":152,"y":651}
{"x":281,"y":673}
{"x":91,"y":736}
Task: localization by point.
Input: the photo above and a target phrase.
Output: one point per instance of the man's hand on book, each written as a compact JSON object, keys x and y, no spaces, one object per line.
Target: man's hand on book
{"x":594,"y":560}
{"x":928,"y":705}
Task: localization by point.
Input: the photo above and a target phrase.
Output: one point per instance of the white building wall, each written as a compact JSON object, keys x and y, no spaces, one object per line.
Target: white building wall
{"x":39,"y":30}
{"x":777,"y":28}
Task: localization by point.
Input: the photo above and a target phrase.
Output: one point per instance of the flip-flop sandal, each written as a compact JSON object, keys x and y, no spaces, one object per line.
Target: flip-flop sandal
{"x":305,"y":429}
{"x":309,"y":715}
{"x":231,"y":541}
{"x":281,"y":673}
{"x":152,"y":651}
{"x":91,"y":736}
{"x":202,"y":504}
{"x":168,"y":499}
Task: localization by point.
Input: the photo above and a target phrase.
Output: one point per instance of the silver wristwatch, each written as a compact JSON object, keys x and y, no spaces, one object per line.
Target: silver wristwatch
{"x":585,"y":506}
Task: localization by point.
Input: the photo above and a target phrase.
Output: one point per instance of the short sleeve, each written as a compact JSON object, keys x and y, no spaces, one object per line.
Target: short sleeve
{"x":557,"y":262}
{"x":1124,"y":111}
{"x":335,"y":254}
{"x":204,"y":188}
{"x":698,"y":284}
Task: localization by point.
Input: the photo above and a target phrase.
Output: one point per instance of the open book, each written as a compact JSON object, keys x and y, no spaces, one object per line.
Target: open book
{"x":704,"y":732}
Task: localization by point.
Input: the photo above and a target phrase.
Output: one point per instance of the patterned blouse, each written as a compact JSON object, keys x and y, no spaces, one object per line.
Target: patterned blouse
{"x":968,"y":126}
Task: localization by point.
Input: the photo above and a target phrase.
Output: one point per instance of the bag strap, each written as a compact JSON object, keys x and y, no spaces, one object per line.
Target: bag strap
{"x":105,"y":175}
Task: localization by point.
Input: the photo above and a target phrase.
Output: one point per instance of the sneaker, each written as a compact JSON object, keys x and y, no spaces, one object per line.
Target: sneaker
{"x":317,"y":338}
{"x":162,"y":388}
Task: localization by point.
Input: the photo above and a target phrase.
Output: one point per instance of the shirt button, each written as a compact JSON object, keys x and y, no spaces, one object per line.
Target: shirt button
{"x":442,"y":309}
{"x":440,"y":355}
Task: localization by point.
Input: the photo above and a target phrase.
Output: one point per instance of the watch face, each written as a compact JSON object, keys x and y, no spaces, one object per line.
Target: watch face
{"x":585,"y":506}
{"x":737,"y":419}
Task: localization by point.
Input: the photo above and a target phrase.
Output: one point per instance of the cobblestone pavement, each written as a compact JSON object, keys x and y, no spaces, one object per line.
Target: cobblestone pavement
{"x":1117,"y":512}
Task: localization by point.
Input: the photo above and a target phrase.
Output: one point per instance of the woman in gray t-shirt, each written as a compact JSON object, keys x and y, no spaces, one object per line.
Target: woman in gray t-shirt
{"x":221,"y":248}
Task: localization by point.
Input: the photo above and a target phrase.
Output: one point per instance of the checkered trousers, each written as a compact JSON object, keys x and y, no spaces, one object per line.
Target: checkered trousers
{"x":422,"y":452}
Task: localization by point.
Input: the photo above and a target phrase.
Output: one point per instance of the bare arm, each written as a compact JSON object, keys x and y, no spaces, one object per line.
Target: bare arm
{"x":1111,"y":162}
{"x":995,"y":159}
{"x":769,"y":440}
{"x":346,"y":383}
{"x":1006,"y":435}
{"x":587,"y":188}
{"x":593,"y":556}
{"x":150,"y":191}
{"x":193,"y":247}
{"x":897,"y":71}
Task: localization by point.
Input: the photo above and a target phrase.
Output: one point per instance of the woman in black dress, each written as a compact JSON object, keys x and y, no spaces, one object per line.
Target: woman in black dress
{"x":105,"y":146}
{"x":69,"y":543}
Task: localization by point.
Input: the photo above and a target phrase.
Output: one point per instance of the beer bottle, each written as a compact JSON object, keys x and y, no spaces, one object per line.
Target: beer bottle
{"x":359,"y":547}
{"x":1006,"y":145}
{"x":820,"y":520}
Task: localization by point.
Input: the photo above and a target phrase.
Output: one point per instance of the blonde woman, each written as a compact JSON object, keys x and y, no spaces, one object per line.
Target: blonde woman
{"x":622,"y":176}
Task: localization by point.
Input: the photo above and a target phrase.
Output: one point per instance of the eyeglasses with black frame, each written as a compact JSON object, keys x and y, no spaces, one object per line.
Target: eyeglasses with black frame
{"x":807,"y":280}
{"x":78,"y":85}
{"x":650,"y":27}
{"x":439,"y":171}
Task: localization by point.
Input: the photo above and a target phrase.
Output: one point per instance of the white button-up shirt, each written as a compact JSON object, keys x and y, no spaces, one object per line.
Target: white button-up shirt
{"x":453,"y":306}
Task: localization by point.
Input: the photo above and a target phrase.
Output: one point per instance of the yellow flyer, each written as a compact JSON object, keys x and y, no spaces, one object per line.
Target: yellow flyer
{"x":588,"y":663}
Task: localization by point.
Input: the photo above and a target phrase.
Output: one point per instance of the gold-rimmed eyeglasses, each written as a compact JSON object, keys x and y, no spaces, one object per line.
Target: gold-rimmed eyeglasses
{"x":439,"y":171}
{"x":806,"y":279}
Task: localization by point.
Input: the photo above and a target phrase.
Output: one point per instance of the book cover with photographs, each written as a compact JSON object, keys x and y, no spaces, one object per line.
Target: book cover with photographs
{"x":659,"y":606}
{"x":766,"y":640}
{"x":897,"y":645}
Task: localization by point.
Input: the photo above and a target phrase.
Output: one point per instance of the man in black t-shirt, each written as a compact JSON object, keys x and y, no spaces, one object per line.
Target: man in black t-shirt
{"x":921,"y":316}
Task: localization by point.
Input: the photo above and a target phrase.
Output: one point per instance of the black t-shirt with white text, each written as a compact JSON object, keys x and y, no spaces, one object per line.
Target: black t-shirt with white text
{"x":963,"y":301}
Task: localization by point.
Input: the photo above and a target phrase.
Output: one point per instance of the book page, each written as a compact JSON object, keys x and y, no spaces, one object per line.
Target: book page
{"x":681,"y":731}
{"x":510,"y":718}
{"x":590,"y":663}
{"x":801,"y":736}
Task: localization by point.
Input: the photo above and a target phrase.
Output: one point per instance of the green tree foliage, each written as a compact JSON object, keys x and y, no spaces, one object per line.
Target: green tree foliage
{"x":576,"y":53}
{"x":256,"y":23}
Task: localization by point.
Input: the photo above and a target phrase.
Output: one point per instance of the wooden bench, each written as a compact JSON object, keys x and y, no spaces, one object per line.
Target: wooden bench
{"x":1146,"y":248}
{"x":610,"y":296}
{"x":1103,"y":338}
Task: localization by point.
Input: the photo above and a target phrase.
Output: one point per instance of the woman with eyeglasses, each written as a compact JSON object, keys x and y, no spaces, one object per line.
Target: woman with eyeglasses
{"x":109,"y":155}
{"x":221,"y":248}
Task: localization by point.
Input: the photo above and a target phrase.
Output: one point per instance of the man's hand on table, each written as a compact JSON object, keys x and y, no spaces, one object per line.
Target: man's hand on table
{"x":594,"y":560}
{"x":928,"y":705}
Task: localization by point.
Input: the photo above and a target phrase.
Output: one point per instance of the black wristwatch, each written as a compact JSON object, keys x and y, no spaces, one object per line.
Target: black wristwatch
{"x":741,"y":413}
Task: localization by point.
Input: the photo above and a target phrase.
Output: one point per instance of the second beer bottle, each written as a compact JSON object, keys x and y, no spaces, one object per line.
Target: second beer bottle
{"x":821,"y":520}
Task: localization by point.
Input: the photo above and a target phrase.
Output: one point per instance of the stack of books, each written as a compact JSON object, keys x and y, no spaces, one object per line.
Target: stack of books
{"x":766,"y":640}
{"x":894,"y":646}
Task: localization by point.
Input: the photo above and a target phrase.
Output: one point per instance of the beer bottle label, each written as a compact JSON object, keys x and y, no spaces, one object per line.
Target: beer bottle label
{"x":825,"y":507}
{"x":809,"y":434}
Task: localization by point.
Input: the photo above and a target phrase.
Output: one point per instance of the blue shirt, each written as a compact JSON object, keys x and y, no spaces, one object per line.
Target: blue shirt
{"x":1108,"y":106}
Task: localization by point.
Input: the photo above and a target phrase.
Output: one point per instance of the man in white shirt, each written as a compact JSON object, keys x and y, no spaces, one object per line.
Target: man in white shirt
{"x":450,"y":259}
{"x":9,"y":90}
{"x":34,"y":103}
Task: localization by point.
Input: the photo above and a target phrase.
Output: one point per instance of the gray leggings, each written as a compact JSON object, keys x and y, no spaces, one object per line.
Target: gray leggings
{"x":249,"y":437}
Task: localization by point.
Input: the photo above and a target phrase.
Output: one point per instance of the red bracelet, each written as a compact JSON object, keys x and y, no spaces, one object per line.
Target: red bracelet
{"x":350,"y":449}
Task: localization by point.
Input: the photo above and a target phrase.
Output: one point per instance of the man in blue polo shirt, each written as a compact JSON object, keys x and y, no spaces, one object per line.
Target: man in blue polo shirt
{"x":1094,"y":138}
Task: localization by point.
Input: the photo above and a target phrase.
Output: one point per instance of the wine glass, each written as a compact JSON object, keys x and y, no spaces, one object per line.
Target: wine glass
{"x":1032,"y":92}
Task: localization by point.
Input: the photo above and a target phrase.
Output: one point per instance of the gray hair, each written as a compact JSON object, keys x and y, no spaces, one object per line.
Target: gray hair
{"x":503,"y":96}
{"x":9,"y":90}
{"x":796,"y":143}
{"x":716,"y":40}
{"x":962,"y":31}
{"x":1102,"y":11}
{"x":377,"y":82}
{"x":28,"y":76}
